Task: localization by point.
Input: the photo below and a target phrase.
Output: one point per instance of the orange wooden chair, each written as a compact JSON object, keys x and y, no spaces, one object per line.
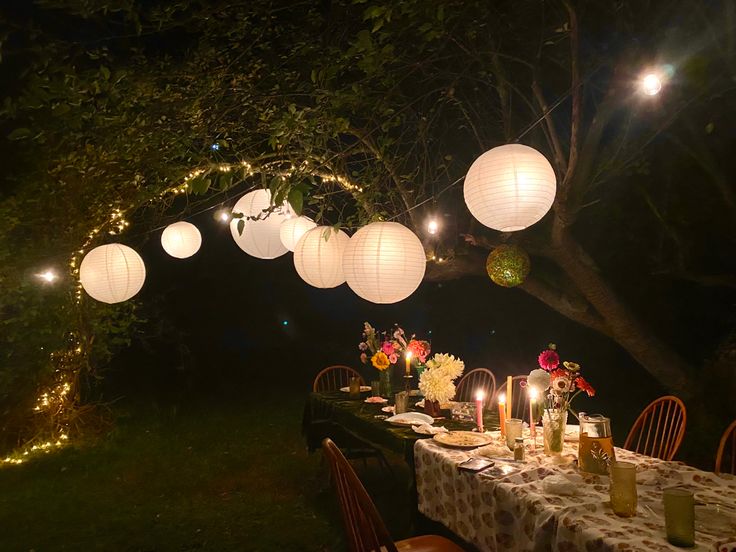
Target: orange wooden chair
{"x":659,"y":429}
{"x":478,"y":378}
{"x":365,"y":529}
{"x":333,"y":378}
{"x":727,"y":450}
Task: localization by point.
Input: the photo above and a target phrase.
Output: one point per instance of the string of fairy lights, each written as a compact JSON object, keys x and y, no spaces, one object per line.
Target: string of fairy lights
{"x":59,"y":397}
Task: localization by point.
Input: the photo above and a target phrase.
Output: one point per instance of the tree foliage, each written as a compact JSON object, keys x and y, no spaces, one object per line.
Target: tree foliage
{"x":363,"y":110}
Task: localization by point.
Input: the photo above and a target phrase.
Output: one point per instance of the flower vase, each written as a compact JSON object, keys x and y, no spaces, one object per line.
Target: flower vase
{"x":384,"y":377}
{"x":553,"y":428}
{"x":432,"y":408}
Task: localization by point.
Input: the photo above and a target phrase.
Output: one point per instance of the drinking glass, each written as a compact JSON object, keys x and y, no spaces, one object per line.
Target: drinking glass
{"x":623,"y":488}
{"x":354,"y":387}
{"x":513,"y":430}
{"x":376,"y":388}
{"x":679,"y":516}
{"x":401,"y":402}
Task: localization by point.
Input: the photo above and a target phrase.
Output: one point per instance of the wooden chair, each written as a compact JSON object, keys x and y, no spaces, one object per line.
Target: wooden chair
{"x":333,"y":378}
{"x":659,"y":429}
{"x":365,"y":529}
{"x":478,"y":378}
{"x":727,"y":449}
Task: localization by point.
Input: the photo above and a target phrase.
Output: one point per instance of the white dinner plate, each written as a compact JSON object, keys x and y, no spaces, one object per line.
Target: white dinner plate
{"x":410,"y":418}
{"x":363,"y":389}
{"x":463,"y":439}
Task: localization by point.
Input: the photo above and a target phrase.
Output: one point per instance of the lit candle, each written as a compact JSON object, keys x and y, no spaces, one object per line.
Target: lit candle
{"x":532,"y":429}
{"x":502,"y":413}
{"x":408,"y":363}
{"x":509,"y":401}
{"x":479,"y":396}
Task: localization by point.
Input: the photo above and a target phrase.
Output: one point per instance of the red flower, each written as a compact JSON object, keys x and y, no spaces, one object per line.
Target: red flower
{"x":548,"y":360}
{"x":585,"y":386}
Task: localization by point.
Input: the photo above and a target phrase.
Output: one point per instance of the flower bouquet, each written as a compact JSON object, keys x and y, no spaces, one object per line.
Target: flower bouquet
{"x":386,"y":348}
{"x":557,"y":386}
{"x":437,"y":382}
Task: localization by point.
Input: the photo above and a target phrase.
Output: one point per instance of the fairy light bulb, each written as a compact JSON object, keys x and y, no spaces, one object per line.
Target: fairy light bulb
{"x":651,"y":84}
{"x":433,"y":227}
{"x":47,"y":276}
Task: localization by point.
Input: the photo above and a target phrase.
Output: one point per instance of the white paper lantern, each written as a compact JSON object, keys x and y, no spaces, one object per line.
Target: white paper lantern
{"x":181,"y":240}
{"x":260,"y":238}
{"x":384,"y":262}
{"x":112,"y":273}
{"x":510,"y":187}
{"x":294,"y":228}
{"x":318,"y":260}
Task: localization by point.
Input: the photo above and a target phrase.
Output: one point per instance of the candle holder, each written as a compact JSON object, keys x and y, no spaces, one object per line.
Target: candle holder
{"x":407,"y":382}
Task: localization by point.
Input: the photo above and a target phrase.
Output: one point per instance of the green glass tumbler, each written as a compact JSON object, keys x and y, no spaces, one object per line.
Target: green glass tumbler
{"x":679,"y":516}
{"x":623,"y":489}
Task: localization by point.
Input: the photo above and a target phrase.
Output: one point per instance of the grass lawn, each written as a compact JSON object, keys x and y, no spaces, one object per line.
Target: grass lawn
{"x":212,"y":478}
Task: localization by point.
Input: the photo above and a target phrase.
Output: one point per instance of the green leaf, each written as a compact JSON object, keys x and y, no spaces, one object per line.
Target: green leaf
{"x":20,"y":134}
{"x":199,"y":185}
{"x":241,"y":227}
{"x":296,"y":200}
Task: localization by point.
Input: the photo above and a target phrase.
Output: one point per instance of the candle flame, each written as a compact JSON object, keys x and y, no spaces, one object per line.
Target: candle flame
{"x":502,"y":398}
{"x":533,"y":393}
{"x":480,"y":395}
{"x":408,"y":355}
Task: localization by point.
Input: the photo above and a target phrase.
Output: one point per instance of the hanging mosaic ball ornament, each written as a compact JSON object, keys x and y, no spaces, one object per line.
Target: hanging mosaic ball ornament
{"x":508,"y":265}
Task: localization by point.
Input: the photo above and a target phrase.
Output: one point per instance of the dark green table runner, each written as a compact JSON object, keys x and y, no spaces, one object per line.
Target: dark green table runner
{"x":359,"y":418}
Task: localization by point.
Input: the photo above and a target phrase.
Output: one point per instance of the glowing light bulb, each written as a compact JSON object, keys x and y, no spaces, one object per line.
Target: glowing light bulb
{"x":48,"y":276}
{"x":222,"y":215}
{"x":433,"y":227}
{"x":651,"y":84}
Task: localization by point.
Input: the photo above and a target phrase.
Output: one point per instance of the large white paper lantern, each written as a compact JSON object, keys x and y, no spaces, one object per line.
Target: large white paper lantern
{"x":384,"y":262}
{"x":181,"y":239}
{"x":112,"y":273}
{"x":260,"y":238}
{"x":510,"y":187}
{"x":294,"y":228}
{"x":318,"y":257}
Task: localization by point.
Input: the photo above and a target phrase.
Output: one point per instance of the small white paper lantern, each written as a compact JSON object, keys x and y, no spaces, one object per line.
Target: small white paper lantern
{"x":384,"y":262}
{"x":260,"y":238}
{"x":181,"y":239}
{"x":510,"y":187}
{"x":112,"y":273}
{"x":294,"y":228}
{"x":318,"y":260}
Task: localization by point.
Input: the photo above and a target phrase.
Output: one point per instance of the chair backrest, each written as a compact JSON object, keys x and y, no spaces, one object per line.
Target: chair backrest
{"x":333,"y":378}
{"x":363,"y":524}
{"x":659,"y":429}
{"x":478,"y":378}
{"x":726,"y":454}
{"x":520,"y":399}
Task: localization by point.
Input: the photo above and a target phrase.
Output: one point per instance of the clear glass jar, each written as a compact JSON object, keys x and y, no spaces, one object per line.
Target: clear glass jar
{"x":519,"y":449}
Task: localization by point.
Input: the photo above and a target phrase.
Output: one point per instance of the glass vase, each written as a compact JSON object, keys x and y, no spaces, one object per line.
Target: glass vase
{"x":385,"y":383}
{"x":553,"y":429}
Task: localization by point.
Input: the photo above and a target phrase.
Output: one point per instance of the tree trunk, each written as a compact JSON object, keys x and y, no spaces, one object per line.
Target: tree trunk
{"x":656,"y":357}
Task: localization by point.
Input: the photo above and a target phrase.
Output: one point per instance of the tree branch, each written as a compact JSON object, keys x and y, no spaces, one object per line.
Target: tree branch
{"x":577,"y":94}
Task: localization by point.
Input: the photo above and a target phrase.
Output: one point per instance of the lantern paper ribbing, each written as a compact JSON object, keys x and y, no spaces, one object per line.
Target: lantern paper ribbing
{"x":260,"y":238}
{"x":510,"y":187}
{"x":181,"y":240}
{"x":384,"y":262}
{"x":318,"y":257}
{"x":294,"y":228}
{"x":112,"y":273}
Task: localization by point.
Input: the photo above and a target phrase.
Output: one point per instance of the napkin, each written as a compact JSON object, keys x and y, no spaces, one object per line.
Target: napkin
{"x":427,"y":429}
{"x":729,"y":546}
{"x":559,"y":485}
{"x":494,"y":451}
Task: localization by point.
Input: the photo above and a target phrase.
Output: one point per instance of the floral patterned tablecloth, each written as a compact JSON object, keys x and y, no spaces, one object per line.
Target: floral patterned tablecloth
{"x":506,"y":507}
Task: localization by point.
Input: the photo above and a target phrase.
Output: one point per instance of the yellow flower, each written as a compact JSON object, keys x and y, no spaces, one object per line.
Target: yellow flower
{"x":572,"y":366}
{"x":380,"y":360}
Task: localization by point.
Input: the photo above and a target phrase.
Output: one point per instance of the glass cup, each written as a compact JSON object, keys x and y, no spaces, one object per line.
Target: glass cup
{"x":354,"y":387}
{"x":513,"y":430}
{"x":376,"y":388}
{"x":623,"y":489}
{"x":401,"y":402}
{"x":679,"y":516}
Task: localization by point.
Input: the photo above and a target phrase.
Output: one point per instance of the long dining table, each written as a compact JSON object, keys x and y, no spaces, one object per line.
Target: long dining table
{"x":520,"y":506}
